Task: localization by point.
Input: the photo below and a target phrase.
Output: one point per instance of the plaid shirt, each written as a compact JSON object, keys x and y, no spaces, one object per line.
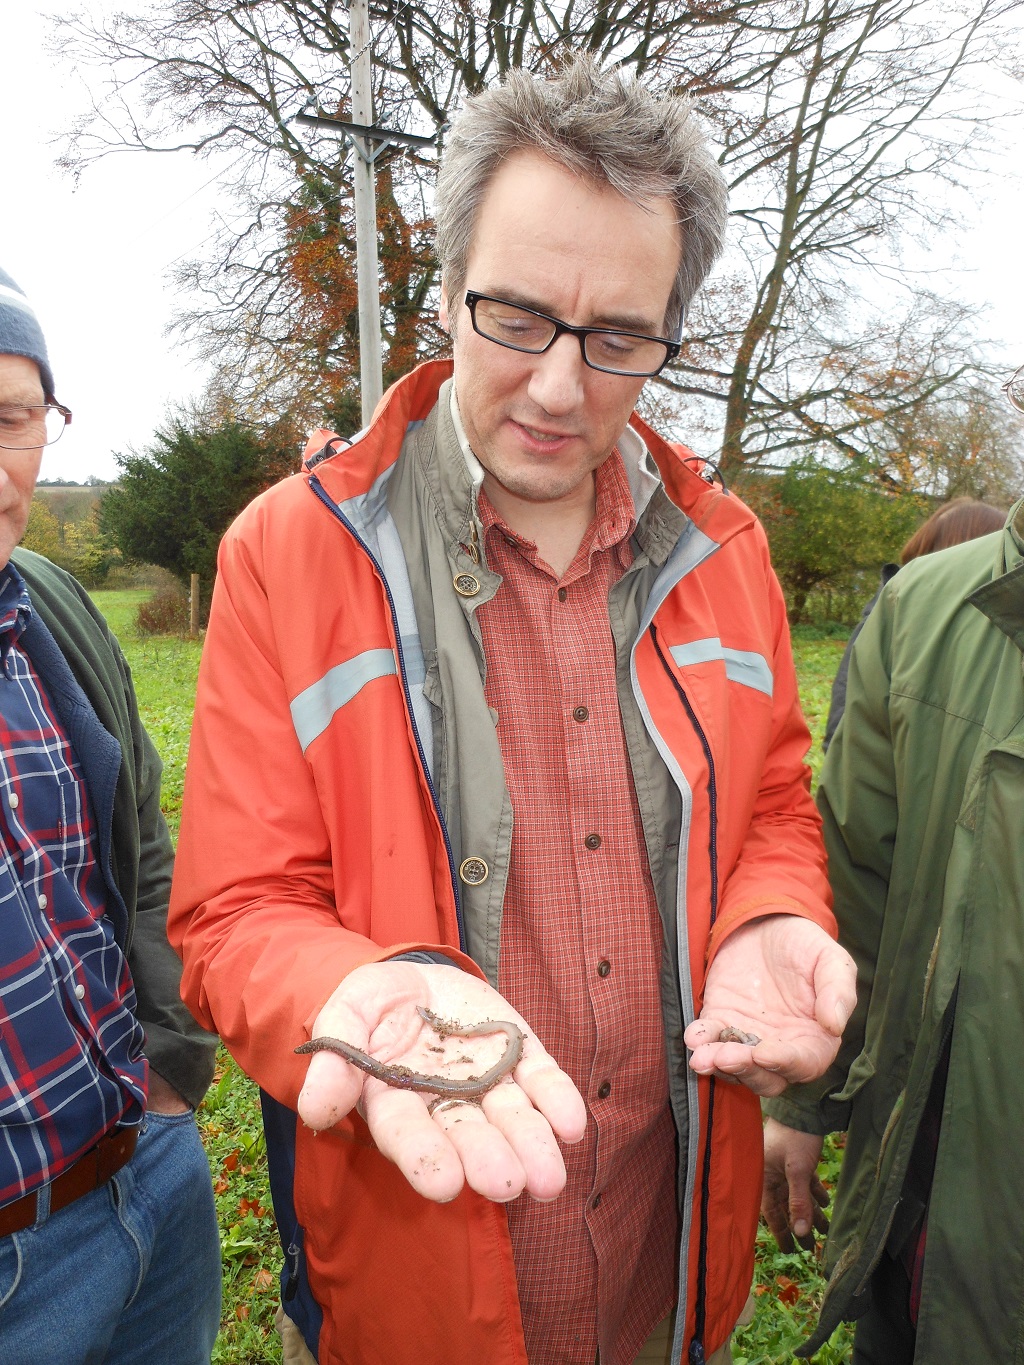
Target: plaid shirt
{"x":71,"y":1063}
{"x":581,"y":942}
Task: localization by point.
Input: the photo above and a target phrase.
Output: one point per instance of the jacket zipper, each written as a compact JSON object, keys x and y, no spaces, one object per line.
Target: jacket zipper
{"x":321,"y":493}
{"x":696,"y":1349}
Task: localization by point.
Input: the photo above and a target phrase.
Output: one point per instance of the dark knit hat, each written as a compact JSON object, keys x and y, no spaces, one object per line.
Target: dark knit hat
{"x":20,"y":333}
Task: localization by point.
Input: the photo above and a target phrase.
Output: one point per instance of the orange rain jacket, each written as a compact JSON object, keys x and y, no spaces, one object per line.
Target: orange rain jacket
{"x":312,"y":843}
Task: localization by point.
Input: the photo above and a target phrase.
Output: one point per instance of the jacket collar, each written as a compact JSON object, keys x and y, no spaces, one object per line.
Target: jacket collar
{"x":1002,"y":599}
{"x":358,"y":465}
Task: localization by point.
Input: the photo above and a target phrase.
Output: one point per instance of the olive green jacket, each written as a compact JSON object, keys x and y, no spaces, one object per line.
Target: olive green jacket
{"x":66,"y":632}
{"x":922,"y":796}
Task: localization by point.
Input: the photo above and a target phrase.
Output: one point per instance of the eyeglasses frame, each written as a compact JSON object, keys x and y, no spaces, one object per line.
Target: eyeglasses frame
{"x":673,"y":348}
{"x":41,"y":407}
{"x":1008,"y":387}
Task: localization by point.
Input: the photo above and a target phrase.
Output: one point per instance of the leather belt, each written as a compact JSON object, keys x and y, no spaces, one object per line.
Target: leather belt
{"x":87,"y":1174}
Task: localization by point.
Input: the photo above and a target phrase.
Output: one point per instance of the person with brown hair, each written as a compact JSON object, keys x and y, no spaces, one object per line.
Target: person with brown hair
{"x":498,"y":768}
{"x":954,"y":522}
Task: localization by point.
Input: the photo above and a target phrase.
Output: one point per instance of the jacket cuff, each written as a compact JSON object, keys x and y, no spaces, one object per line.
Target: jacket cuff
{"x":428,"y":959}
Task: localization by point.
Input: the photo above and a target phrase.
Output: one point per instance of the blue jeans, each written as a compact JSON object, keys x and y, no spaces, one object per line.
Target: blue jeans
{"x":128,"y":1273}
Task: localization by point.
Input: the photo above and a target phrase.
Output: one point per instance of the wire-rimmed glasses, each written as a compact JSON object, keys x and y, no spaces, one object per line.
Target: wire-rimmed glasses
{"x":1014,"y":389}
{"x":27,"y":427}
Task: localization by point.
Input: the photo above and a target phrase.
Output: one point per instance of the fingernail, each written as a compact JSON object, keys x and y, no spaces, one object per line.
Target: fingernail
{"x":842,"y":1015}
{"x":801,"y":1229}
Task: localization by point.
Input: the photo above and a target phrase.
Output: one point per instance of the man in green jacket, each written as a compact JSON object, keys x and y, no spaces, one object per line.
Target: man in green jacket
{"x":922,"y":796}
{"x":108,"y":1233}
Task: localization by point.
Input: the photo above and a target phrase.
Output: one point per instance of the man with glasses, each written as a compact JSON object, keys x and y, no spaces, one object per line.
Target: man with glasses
{"x":922,"y":795}
{"x":497,"y":732}
{"x":108,"y":1234}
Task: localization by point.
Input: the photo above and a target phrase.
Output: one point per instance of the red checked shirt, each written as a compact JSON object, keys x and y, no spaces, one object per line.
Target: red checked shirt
{"x":581,"y":942}
{"x":71,"y":1062}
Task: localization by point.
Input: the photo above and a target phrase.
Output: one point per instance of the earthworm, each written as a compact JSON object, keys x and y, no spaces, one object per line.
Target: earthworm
{"x":735,"y":1035}
{"x":403,"y":1078}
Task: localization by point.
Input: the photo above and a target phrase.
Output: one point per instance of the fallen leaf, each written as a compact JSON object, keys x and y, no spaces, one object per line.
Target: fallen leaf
{"x":787,"y":1290}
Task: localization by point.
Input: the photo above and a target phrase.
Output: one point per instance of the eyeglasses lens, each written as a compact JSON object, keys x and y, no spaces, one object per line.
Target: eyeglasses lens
{"x":29,"y":428}
{"x":522,"y":330}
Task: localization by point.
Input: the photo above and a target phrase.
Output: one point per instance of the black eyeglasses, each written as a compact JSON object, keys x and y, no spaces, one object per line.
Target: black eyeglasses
{"x":1014,"y":389}
{"x":524,"y":329}
{"x":26,"y":428}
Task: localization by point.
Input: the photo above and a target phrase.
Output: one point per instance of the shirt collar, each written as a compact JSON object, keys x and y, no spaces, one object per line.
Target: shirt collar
{"x":641,"y":473}
{"x":15,"y":608}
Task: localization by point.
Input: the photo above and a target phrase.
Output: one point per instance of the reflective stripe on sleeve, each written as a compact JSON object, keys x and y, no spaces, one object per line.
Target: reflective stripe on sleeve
{"x":741,"y":665}
{"x":314,"y":707}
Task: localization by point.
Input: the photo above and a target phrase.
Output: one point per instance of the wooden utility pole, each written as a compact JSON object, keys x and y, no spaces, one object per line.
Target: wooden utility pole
{"x":368,"y":141}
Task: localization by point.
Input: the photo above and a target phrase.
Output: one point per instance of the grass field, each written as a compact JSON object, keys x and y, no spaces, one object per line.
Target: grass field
{"x":164,"y":669}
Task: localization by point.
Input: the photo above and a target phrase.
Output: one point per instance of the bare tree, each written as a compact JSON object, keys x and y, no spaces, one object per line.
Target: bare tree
{"x":841,"y":124}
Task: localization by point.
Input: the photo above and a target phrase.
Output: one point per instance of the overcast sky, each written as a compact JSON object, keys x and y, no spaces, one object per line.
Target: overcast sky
{"x":94,"y":258}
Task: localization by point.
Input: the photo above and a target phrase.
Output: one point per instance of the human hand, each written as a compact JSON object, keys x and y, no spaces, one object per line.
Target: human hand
{"x":500,"y":1145}
{"x":784,"y":980}
{"x":163,"y":1098}
{"x":793,"y":1198}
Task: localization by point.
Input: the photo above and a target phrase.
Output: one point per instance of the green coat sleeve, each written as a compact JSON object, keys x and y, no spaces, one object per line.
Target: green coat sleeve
{"x":177,"y":1048}
{"x":858,"y":800}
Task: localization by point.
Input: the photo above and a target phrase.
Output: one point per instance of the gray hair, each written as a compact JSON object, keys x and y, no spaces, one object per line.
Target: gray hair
{"x":602,"y":125}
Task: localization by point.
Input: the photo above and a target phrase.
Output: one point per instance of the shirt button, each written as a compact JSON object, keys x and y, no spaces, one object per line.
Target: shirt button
{"x":593,"y":841}
{"x":563,"y":593}
{"x":604,"y":1090}
{"x":15,"y":800}
{"x":595,"y":1202}
{"x":604,"y":967}
{"x":581,"y":714}
{"x":42,"y":902}
{"x":79,"y":992}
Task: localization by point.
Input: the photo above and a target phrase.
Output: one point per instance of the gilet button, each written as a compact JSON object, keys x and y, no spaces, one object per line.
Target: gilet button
{"x":474,"y":871}
{"x":466,"y":584}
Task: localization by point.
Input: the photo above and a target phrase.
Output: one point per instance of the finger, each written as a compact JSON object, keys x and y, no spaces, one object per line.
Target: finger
{"x":821,"y":1195}
{"x":529,"y":1135}
{"x":331,"y":1089}
{"x":779,"y":1229}
{"x":775,"y":1211}
{"x":491,"y":1166}
{"x":797,"y":1061}
{"x":407,"y":1135}
{"x":552,"y":1092}
{"x":764,"y":1081}
{"x":835,"y":988}
{"x":737,"y":1062}
{"x":703,"y":1031}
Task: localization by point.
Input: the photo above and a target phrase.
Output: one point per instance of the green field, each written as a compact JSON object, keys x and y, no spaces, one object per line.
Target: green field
{"x":164,"y":669}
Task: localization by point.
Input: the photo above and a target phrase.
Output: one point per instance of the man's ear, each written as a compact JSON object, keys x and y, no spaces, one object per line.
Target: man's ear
{"x":442,"y":310}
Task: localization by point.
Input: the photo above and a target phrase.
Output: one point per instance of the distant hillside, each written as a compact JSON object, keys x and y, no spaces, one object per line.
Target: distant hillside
{"x":71,"y":502}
